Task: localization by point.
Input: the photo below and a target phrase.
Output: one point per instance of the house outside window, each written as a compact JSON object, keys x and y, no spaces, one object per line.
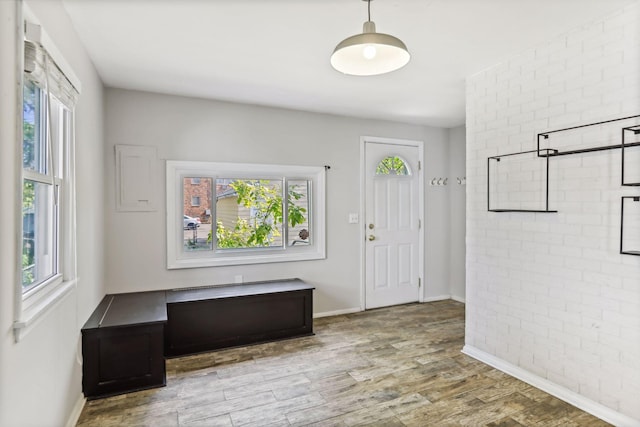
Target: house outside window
{"x":197,"y":197}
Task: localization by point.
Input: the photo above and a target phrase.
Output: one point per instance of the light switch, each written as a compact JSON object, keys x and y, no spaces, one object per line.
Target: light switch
{"x":353,"y":218}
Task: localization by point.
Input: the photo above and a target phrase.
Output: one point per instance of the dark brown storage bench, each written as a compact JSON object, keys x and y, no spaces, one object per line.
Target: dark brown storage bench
{"x":123,"y":344}
{"x":204,"y":319}
{"x":127,"y":337}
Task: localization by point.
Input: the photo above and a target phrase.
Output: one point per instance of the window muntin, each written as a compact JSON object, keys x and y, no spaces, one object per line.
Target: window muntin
{"x":392,"y":165}
{"x":253,"y":214}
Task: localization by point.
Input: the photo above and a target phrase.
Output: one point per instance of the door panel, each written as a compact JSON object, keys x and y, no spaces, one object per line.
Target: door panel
{"x":392,"y":224}
{"x":381,"y":267}
{"x":405,"y":267}
{"x":405,"y":206}
{"x":380,"y":204}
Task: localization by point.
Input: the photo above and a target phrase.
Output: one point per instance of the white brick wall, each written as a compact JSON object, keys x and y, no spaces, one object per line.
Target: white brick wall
{"x":549,"y":292}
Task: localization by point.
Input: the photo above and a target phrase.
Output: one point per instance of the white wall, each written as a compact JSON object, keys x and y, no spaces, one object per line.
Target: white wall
{"x":457,"y":212}
{"x":196,"y":129}
{"x":549,"y":293}
{"x":40,"y":377}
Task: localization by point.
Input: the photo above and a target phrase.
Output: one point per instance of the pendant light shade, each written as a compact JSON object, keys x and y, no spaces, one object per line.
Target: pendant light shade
{"x":370,"y":53}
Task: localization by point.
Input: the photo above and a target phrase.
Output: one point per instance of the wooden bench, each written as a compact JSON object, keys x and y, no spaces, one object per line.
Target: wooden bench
{"x":205,"y":319}
{"x":127,"y":337}
{"x":123,"y":344}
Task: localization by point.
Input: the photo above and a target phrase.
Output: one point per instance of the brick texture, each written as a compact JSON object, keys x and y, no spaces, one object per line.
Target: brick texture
{"x":550,"y":292}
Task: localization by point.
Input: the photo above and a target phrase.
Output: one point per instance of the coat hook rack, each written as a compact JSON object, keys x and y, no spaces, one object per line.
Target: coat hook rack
{"x":439,"y":181}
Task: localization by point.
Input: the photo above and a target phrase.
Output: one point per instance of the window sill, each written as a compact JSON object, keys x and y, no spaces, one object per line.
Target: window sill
{"x":41,"y":305}
{"x":243,"y":260}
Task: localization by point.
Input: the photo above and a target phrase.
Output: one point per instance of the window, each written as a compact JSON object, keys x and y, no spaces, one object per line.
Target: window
{"x":247,"y":214}
{"x":392,"y":166}
{"x":47,"y":246}
{"x":40,"y":186}
{"x":195,"y":201}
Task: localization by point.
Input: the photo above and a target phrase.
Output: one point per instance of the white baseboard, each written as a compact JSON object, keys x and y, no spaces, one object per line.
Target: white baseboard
{"x":76,"y":411}
{"x":337,"y":312}
{"x":575,"y":399}
{"x":457,"y":298}
{"x":438,"y":298}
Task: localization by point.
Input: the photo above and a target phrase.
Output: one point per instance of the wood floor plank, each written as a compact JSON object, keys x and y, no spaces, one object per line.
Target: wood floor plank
{"x":322,"y":412}
{"x":494,"y":411}
{"x":218,"y":421}
{"x":276,"y":412}
{"x":396,"y":366}
{"x":201,"y":412}
{"x":505,"y":422}
{"x":280,"y":383}
{"x":366,"y":417}
{"x":167,"y":420}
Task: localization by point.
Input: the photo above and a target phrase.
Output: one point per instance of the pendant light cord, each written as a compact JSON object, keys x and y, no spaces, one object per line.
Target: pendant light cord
{"x":369,"y":10}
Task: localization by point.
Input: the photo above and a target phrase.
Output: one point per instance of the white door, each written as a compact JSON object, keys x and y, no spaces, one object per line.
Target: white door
{"x":392,"y":227}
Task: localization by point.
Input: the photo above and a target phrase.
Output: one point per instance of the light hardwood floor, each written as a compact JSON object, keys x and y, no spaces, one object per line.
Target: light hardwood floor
{"x":397,"y":366}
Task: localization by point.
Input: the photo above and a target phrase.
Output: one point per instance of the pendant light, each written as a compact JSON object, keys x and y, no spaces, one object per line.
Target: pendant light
{"x":369,"y":53}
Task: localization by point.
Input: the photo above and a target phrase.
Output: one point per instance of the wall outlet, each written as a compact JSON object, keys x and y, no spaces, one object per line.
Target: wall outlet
{"x":238,"y":278}
{"x":353,"y":218}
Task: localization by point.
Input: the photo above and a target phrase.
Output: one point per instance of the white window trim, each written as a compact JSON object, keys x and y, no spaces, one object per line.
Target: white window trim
{"x":30,"y":307}
{"x":47,"y":297}
{"x":178,"y":170}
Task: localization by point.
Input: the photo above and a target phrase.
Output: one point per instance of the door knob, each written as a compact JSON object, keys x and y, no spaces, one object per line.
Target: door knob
{"x":372,"y":237}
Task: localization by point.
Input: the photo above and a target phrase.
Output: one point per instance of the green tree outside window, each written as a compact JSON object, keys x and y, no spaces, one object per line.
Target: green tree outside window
{"x":265,"y":202}
{"x":392,"y":166}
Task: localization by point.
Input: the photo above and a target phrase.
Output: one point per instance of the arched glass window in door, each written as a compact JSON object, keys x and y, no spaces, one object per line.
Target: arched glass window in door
{"x":392,"y":165}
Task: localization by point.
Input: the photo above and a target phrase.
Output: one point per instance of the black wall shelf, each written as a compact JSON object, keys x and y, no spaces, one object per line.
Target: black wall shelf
{"x":632,"y":129}
{"x":548,"y":151}
{"x":623,"y":249}
{"x":546,"y":184}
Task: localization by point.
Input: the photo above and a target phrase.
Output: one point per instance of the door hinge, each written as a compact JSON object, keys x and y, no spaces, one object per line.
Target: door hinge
{"x":419,"y":223}
{"x":419,"y":282}
{"x":419,"y":165}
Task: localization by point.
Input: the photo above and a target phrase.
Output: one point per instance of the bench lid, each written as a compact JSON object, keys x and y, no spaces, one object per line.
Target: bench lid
{"x":236,"y":290}
{"x":129,"y":309}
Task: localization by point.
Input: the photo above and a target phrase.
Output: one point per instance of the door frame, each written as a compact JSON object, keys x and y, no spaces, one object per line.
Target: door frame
{"x":363,"y":226}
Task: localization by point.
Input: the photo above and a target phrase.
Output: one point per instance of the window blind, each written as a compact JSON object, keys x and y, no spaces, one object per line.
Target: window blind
{"x":43,"y":71}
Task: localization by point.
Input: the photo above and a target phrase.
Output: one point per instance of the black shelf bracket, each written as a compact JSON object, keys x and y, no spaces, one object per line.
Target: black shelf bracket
{"x":546,"y":199}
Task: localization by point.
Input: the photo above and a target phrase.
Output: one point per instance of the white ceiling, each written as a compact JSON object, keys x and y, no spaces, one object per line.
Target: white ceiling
{"x":276,"y":52}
